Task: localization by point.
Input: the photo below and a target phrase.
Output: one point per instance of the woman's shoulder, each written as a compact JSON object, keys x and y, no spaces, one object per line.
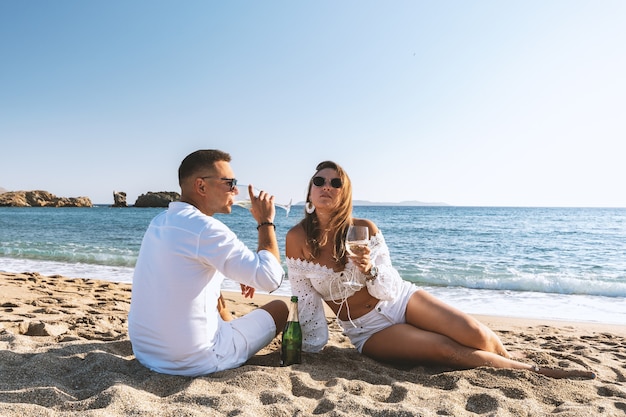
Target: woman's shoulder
{"x":295,"y":242}
{"x":296,"y":231}
{"x":366,"y":222}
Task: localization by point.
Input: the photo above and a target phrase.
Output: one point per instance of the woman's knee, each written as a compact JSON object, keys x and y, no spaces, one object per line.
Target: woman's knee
{"x":486,"y":339}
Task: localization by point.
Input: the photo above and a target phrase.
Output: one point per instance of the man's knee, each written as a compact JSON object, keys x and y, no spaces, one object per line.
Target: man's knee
{"x":279,"y":311}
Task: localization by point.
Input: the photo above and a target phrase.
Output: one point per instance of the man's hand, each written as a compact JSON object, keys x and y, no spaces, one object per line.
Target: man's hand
{"x":247,"y":292}
{"x":263,"y":211}
{"x":262,"y":206}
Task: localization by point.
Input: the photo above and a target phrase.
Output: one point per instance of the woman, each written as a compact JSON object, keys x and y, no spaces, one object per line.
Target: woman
{"x":388,"y":319}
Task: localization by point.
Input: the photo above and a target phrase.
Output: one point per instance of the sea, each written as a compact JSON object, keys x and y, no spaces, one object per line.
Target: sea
{"x":546,"y":263}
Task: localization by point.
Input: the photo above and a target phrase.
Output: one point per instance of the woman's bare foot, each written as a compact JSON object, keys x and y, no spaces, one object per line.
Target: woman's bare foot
{"x":565,"y":373}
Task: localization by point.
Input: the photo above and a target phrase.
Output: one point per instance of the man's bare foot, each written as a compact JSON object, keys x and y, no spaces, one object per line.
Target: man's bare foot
{"x":221,"y":307}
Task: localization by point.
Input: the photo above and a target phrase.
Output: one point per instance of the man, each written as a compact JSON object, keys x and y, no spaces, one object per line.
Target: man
{"x":174,"y":323}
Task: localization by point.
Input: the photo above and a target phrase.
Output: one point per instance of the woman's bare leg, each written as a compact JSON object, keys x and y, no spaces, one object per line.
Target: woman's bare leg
{"x":438,"y":333}
{"x":426,"y":312}
{"x":404,"y":343}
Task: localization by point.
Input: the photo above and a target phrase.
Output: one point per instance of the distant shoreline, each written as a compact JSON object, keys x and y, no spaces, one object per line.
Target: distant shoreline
{"x":411,"y":203}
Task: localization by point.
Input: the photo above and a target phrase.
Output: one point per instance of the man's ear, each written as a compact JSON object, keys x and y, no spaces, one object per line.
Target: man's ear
{"x":200,"y":186}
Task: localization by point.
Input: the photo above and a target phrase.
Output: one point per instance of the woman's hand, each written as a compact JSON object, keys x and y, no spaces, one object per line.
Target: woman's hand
{"x":361,"y":259}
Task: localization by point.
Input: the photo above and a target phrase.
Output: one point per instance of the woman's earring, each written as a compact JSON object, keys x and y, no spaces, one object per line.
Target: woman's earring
{"x":309,"y":207}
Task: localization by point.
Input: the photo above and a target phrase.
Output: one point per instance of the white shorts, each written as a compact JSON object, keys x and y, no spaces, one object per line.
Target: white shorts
{"x":249,"y":334}
{"x":385,"y":314}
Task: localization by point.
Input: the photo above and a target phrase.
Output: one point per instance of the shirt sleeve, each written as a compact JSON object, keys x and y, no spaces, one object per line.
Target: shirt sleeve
{"x":388,"y":282}
{"x":219,"y":246}
{"x":310,"y":310}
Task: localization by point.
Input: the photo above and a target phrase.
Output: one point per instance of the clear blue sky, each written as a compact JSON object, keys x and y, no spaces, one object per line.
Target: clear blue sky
{"x":496,"y":103}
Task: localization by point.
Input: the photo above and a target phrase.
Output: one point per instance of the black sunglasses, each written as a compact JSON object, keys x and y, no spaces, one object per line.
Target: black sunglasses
{"x":321,"y":181}
{"x":232,"y":182}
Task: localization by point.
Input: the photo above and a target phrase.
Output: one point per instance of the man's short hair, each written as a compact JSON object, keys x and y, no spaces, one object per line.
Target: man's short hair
{"x":198,"y":160}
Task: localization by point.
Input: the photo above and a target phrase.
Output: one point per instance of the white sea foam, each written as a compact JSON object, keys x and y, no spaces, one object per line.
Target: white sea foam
{"x":525,"y":304}
{"x":78,"y":270}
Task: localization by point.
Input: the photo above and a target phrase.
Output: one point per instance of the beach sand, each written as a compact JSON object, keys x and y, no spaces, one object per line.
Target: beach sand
{"x":64,"y":351}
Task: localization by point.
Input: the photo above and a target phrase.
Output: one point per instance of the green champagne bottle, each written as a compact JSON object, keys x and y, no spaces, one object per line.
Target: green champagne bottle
{"x":291,"y":346}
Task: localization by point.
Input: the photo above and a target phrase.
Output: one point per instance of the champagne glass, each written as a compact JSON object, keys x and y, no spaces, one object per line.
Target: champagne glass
{"x":243,"y":199}
{"x":357,"y":239}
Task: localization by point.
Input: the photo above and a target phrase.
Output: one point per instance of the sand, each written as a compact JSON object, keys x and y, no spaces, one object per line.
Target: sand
{"x":64,"y":351}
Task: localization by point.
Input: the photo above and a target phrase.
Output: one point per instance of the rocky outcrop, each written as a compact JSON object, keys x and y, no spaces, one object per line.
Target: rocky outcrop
{"x":156,"y":199}
{"x":119,"y":199}
{"x":40,"y":198}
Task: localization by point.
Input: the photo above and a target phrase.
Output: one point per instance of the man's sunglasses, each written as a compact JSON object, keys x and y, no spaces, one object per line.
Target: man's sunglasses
{"x":321,"y":181}
{"x":232,"y":182}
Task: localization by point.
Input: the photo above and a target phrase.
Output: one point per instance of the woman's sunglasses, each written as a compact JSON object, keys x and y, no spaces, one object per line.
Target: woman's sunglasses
{"x":320,"y":181}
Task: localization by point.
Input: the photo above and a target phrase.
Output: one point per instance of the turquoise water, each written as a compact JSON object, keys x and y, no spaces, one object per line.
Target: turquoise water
{"x":558,"y":263}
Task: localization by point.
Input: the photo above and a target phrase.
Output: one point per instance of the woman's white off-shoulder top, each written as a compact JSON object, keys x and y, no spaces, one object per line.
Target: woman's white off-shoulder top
{"x":314,"y":283}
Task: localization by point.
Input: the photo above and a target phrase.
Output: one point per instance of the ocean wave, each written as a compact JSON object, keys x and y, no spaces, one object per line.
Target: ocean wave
{"x":70,"y":254}
{"x":506,"y":303}
{"x":553,"y":282}
{"x":70,"y":270}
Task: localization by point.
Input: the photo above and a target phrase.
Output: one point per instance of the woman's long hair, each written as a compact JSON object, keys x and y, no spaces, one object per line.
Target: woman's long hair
{"x":340,"y":219}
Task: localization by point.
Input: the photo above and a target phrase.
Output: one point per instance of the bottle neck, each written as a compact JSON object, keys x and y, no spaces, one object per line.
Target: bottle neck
{"x":293,"y":312}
